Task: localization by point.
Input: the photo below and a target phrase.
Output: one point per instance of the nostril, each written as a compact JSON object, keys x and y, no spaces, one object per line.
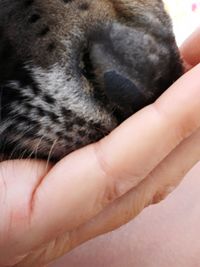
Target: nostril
{"x":87,"y":66}
{"x":34,"y":18}
{"x":123,"y":91}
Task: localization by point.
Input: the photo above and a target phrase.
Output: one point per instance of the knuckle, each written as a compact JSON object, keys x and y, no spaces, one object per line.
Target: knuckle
{"x":108,"y":173}
{"x":180,"y":125}
{"x":117,"y":180}
{"x":161,"y":194}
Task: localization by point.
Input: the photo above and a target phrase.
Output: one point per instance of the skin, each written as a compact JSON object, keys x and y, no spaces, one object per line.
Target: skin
{"x":191,"y":56}
{"x":48,"y":210}
{"x":165,"y":234}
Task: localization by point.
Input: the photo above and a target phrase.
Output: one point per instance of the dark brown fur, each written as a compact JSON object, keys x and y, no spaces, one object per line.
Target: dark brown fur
{"x":71,"y":71}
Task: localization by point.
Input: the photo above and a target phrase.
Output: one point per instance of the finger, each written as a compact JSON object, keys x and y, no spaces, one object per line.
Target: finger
{"x":18,"y":179}
{"x":83,"y":183}
{"x":190,"y":49}
{"x":153,"y":189}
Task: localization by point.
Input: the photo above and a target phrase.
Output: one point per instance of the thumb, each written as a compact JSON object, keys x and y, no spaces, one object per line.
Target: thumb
{"x":190,"y":50}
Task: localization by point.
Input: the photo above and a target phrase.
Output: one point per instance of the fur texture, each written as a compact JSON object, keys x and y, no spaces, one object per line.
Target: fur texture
{"x":72,"y":70}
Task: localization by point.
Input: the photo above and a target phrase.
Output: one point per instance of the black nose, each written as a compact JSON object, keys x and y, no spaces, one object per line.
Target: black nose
{"x":135,"y":65}
{"x":122,"y":91}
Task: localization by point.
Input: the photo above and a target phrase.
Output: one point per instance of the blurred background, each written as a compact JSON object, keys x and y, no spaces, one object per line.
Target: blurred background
{"x":185,"y":15}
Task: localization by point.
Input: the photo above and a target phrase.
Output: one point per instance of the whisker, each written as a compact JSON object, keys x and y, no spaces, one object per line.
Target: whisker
{"x":14,"y":140}
{"x":11,"y":156}
{"x":38,"y":145}
{"x":35,"y":150}
{"x":50,"y":153}
{"x":23,"y":153}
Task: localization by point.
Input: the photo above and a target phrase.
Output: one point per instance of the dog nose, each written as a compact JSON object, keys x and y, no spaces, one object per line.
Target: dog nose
{"x":122,"y":91}
{"x":116,"y":69}
{"x":133,"y":66}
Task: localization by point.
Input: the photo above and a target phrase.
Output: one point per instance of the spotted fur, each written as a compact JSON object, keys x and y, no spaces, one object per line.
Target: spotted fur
{"x":71,"y":71}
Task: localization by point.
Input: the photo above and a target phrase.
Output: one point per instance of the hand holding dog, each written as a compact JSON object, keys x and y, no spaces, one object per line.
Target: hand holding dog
{"x":48,"y":210}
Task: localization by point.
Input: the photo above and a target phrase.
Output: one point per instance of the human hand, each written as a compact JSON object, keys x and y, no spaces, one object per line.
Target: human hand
{"x":190,"y":50}
{"x":47,"y":211}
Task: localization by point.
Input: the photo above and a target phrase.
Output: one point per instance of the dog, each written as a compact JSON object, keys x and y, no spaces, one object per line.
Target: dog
{"x":73,"y":70}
